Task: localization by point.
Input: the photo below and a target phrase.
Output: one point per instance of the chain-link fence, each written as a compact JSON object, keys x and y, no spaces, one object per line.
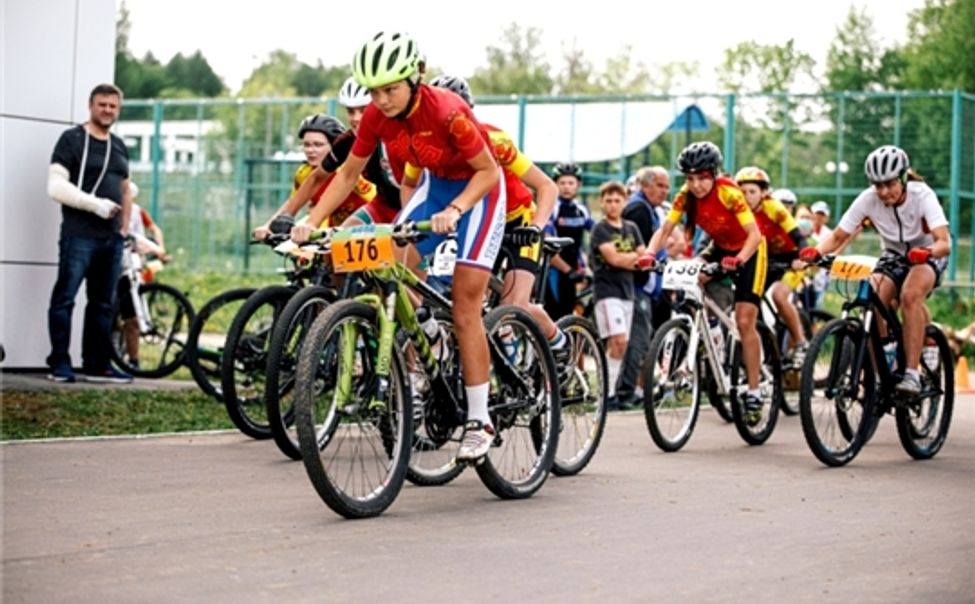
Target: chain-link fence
{"x":211,"y":169}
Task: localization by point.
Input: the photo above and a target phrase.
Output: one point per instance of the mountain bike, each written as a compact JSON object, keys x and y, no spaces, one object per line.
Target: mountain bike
{"x":243,"y":365}
{"x":353,"y":405}
{"x":683,"y":358}
{"x":840,"y":412}
{"x":162,"y":314}
{"x":207,"y":336}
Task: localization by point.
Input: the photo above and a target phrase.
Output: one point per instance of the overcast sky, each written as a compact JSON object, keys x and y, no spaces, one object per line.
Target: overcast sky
{"x":237,"y":37}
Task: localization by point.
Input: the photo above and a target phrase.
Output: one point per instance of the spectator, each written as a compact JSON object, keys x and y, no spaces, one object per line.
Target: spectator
{"x":140,"y":223}
{"x":571,"y":218}
{"x":650,"y":309}
{"x":617,"y":249}
{"x":89,"y":176}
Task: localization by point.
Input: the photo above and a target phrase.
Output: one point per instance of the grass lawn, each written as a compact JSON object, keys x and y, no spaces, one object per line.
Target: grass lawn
{"x":60,"y":413}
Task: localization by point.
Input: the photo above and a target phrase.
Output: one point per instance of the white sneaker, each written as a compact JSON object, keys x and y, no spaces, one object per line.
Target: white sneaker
{"x":477,"y":440}
{"x":799,"y":354}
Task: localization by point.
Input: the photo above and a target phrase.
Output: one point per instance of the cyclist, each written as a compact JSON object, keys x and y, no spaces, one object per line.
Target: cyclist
{"x":912,"y":226}
{"x":784,"y":240}
{"x":317,"y":134}
{"x":717,"y":205}
{"x":386,"y":205}
{"x":460,"y":190}
{"x":787,"y":197}
{"x":140,"y":222}
{"x":524,"y":220}
{"x":570,"y":219}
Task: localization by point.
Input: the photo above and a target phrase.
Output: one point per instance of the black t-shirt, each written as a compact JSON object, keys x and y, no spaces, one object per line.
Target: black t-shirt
{"x":610,"y":281}
{"x":68,"y":152}
{"x":639,"y":211}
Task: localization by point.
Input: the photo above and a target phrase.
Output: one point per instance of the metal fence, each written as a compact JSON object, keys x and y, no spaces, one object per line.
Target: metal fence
{"x":210,"y":169}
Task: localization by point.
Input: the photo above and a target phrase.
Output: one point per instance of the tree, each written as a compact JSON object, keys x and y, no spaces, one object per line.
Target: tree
{"x":577,"y":75}
{"x":194,"y":75}
{"x":754,"y":67}
{"x":856,"y":60}
{"x":318,"y":80}
{"x":941,"y":46}
{"x":515,"y":67}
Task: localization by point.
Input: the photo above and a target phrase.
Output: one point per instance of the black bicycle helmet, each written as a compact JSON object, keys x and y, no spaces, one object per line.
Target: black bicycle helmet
{"x":567,"y":168}
{"x":331,"y":127}
{"x":700,"y":157}
{"x":456,"y":85}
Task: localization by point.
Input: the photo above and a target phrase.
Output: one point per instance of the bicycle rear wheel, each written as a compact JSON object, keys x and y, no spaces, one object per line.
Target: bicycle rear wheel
{"x":162,"y":347}
{"x":523,"y":401}
{"x":355,"y":452}
{"x":923,"y":421}
{"x":582,"y":389}
{"x":208,"y":333}
{"x":287,"y":337}
{"x":244,"y":360}
{"x":438,"y":425}
{"x":834,"y":413}
{"x":769,"y":384}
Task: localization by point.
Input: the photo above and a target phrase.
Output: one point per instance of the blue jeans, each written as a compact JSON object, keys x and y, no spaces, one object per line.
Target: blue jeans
{"x":98,"y":262}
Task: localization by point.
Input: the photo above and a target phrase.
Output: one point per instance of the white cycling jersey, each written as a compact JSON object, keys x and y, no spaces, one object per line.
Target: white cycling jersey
{"x":902,"y":227}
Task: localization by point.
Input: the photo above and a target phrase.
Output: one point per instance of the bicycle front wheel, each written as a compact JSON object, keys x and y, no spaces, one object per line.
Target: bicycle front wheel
{"x":671,"y":386}
{"x":287,"y":337}
{"x":162,"y":346}
{"x":582,"y":388}
{"x":355,"y":443}
{"x":833,"y":401}
{"x":923,"y":421}
{"x":208,"y":333}
{"x":523,"y":400}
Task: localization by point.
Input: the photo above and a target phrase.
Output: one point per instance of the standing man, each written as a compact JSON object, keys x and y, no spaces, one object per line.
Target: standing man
{"x":643,"y":208}
{"x":89,"y":177}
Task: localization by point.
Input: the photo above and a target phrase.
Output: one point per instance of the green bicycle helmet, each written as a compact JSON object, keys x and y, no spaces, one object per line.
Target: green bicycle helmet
{"x":384,"y":59}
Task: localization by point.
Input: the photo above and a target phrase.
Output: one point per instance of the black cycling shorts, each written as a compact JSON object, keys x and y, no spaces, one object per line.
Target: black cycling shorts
{"x":751,"y":277}
{"x":896,"y":266}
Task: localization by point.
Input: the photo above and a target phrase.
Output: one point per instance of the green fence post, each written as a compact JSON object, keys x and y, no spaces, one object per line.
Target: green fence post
{"x":955,"y":180}
{"x":522,"y":112}
{"x":157,"y":115}
{"x":897,"y":119}
{"x":729,"y":133}
{"x":840,"y":118}
{"x":786,"y":122}
{"x":238,"y":177}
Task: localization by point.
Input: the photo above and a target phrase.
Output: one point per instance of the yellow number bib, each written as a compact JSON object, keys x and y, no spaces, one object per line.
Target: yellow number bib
{"x":362,"y":248}
{"x":852,"y":268}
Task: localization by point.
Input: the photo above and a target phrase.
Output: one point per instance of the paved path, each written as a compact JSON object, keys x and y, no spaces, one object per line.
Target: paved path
{"x":220,"y":518}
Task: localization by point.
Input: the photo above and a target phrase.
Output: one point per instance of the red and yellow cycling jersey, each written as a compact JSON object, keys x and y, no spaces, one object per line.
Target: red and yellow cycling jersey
{"x":514,"y":164}
{"x":775,"y":222}
{"x":440,"y":134}
{"x":363,"y":193}
{"x":723,"y":213}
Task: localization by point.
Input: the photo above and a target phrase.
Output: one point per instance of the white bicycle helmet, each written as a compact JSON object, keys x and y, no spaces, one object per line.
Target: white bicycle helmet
{"x":886,"y":163}
{"x":786,"y":196}
{"x":353,"y":95}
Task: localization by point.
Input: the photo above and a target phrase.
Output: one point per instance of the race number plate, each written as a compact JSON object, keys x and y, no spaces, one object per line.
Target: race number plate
{"x":363,"y":248}
{"x":681,"y":275}
{"x":852,"y":268}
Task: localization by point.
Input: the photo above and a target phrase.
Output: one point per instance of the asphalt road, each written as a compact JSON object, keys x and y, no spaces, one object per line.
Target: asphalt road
{"x":221,"y":518}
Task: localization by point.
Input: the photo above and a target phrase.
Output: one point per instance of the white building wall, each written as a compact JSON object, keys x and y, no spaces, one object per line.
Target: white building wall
{"x":52,"y":53}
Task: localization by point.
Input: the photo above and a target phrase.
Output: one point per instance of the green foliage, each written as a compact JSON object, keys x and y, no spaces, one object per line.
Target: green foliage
{"x":754,"y":67}
{"x":89,"y":412}
{"x":941,"y":46}
{"x":189,"y":76}
{"x":856,"y":60}
{"x":515,"y":67}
